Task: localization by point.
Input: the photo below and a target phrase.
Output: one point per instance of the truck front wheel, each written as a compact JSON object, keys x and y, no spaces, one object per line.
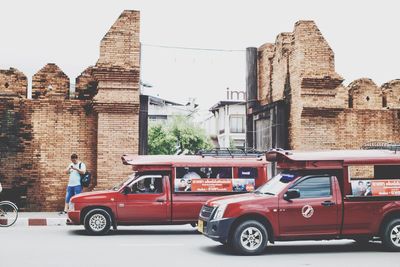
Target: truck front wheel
{"x":249,"y":238}
{"x":391,"y":235}
{"x":97,"y":222}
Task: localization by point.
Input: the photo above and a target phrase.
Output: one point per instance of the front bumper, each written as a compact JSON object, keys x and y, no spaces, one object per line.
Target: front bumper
{"x":217,"y":230}
{"x":74,"y":217}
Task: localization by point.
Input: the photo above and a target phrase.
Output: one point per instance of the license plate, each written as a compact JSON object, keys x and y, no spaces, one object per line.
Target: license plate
{"x":200,"y":226}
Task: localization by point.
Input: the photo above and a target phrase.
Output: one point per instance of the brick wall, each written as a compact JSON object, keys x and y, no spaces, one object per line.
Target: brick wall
{"x":13,"y":83}
{"x":50,"y":81}
{"x":99,"y":123}
{"x":117,"y":101}
{"x":323,"y":113}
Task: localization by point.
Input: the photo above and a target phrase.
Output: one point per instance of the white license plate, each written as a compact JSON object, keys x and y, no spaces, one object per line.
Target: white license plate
{"x":200,"y":226}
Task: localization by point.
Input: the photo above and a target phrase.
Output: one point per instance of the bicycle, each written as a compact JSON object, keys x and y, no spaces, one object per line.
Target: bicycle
{"x":8,"y":213}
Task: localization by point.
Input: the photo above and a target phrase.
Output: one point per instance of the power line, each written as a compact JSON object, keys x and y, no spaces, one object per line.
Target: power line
{"x":193,"y":48}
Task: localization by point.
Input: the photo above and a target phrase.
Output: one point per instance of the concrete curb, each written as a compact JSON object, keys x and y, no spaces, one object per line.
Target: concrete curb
{"x":41,"y":222}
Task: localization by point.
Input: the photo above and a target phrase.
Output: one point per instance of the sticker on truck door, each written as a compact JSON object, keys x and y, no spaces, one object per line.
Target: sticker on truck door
{"x":307,"y":211}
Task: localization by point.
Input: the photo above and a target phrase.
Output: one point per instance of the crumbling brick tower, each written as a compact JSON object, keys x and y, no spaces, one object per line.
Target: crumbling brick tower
{"x":296,"y":100}
{"x":117,"y":100}
{"x":99,"y":123}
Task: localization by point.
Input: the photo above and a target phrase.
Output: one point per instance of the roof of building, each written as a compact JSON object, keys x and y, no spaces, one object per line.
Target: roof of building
{"x":347,"y":156}
{"x":191,"y":161}
{"x":225,"y":103}
{"x":161,"y":101}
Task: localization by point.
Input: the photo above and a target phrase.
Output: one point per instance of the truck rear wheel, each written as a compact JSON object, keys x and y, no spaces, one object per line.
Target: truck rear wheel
{"x":249,"y":238}
{"x":97,"y":222}
{"x":391,"y":235}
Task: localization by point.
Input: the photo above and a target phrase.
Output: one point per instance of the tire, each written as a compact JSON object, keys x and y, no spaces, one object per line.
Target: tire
{"x":97,"y":222}
{"x":391,"y":235}
{"x":8,"y":213}
{"x":249,"y":238}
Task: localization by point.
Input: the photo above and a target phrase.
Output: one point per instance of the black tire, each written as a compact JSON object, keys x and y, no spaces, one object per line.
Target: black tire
{"x":391,"y":235}
{"x":249,"y":238}
{"x":97,"y":222}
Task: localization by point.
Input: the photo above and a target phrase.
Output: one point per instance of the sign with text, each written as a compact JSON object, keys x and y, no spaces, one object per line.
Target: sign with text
{"x":376,"y":188}
{"x":212,"y":185}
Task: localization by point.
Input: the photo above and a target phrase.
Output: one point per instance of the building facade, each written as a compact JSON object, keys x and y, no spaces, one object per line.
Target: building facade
{"x":228,"y":123}
{"x":296,"y":100}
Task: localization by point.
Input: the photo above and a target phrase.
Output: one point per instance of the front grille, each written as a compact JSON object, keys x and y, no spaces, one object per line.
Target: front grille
{"x":206,"y":211}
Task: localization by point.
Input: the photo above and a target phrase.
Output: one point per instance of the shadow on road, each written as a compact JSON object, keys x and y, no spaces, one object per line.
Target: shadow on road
{"x":287,"y":248}
{"x":141,"y":232}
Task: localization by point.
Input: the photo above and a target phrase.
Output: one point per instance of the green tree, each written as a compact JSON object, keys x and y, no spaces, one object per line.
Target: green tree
{"x":181,"y":135}
{"x":161,"y":141}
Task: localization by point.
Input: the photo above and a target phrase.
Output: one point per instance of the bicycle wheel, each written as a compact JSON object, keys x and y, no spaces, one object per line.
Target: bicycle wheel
{"x":8,"y":213}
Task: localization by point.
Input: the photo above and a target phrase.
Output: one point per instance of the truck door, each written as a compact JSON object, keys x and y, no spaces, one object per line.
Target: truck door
{"x":315,"y":212}
{"x":147,"y":200}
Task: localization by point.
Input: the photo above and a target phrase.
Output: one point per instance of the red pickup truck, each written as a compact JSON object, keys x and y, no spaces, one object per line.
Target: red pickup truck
{"x":166,"y":190}
{"x":316,"y":196}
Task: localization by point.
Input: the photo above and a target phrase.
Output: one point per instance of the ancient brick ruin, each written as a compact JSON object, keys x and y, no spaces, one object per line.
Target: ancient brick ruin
{"x":99,"y":122}
{"x":296,"y":76}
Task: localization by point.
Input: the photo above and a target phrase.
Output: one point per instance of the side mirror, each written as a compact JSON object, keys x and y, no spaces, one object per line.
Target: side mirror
{"x":127,"y":190}
{"x":291,"y":194}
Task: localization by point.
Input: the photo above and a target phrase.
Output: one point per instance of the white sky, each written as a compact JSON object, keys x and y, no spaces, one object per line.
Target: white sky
{"x":363,"y":34}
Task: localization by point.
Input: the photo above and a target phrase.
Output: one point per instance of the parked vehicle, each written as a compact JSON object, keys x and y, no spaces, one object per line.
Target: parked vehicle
{"x":166,"y":190}
{"x":316,"y":196}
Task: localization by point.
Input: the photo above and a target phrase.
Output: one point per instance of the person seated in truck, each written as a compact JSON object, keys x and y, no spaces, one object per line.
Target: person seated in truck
{"x":368,"y":191}
{"x":158,"y":185}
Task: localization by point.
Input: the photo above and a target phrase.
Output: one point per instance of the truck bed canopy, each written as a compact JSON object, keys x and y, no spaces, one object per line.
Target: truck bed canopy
{"x":190,"y":161}
{"x":345,"y":157}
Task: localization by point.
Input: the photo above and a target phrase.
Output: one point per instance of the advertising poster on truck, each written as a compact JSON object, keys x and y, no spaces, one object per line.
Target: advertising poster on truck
{"x":214,"y":185}
{"x":376,"y":188}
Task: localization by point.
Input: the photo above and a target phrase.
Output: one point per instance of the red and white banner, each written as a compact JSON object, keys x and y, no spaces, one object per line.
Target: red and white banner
{"x":376,"y":188}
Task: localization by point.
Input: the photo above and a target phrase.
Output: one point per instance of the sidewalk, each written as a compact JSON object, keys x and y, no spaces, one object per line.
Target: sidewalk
{"x":41,"y":219}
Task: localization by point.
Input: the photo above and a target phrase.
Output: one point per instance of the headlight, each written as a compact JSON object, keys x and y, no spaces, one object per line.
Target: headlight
{"x":71,"y":206}
{"x":219,"y":213}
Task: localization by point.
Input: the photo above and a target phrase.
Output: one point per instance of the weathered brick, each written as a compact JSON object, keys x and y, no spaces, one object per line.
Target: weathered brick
{"x":37,"y":136}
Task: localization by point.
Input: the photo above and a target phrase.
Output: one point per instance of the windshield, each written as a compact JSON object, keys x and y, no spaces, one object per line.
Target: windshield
{"x":124,"y":182}
{"x":276,"y":184}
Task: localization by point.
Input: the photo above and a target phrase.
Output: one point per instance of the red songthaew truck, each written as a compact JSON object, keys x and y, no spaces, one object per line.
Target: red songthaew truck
{"x":167,"y":190}
{"x":316,"y":196}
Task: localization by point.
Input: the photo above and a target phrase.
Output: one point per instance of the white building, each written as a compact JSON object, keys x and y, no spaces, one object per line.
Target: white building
{"x":163,"y":111}
{"x":227,"y":123}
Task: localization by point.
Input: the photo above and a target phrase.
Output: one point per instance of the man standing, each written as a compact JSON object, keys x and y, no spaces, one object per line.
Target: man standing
{"x":75,"y":169}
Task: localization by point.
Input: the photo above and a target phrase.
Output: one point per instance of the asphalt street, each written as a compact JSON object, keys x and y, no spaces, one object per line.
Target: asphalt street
{"x":170,"y":246}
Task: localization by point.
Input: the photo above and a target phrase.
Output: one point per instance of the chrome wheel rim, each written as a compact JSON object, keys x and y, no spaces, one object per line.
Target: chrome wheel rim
{"x":251,"y":238}
{"x":395,"y":235}
{"x":97,"y":222}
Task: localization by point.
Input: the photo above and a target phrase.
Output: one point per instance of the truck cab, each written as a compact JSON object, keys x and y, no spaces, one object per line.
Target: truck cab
{"x":316,"y":196}
{"x":166,"y":190}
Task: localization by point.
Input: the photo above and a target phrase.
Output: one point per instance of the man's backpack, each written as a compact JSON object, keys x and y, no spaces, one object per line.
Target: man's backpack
{"x":85,"y":178}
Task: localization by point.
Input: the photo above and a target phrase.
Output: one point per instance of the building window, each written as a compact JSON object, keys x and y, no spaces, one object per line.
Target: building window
{"x":263,"y":134}
{"x":158,"y":118}
{"x":237,"y":124}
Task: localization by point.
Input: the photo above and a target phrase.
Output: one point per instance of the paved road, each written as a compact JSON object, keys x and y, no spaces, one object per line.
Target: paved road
{"x":173,"y":246}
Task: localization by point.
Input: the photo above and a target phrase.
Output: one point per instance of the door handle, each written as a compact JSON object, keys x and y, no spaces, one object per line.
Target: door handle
{"x":328,"y":203}
{"x":160,"y":200}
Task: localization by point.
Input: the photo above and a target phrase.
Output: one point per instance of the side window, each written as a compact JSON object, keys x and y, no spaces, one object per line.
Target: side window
{"x":147,"y":185}
{"x":203,"y":179}
{"x":247,"y":172}
{"x":374,"y":180}
{"x":245,"y":180}
{"x":314,"y":187}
